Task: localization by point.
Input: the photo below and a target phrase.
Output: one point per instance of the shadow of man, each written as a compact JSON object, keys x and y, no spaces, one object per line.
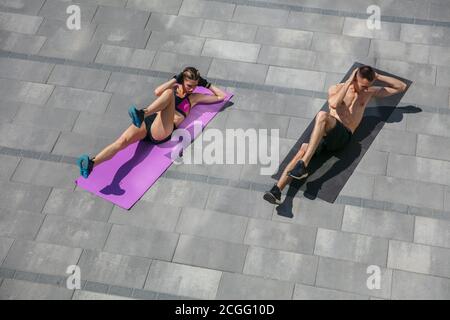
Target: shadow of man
{"x":323,"y":169}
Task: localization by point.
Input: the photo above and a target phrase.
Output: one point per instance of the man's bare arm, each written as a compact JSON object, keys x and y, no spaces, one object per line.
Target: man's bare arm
{"x":335,"y":98}
{"x":394,"y":86}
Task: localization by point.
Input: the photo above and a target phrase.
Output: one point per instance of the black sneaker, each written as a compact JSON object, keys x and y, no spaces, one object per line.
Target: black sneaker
{"x":273,"y":196}
{"x":299,"y":171}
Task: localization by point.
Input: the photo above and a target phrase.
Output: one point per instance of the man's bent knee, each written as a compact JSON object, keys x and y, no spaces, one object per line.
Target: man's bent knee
{"x":322,"y":116}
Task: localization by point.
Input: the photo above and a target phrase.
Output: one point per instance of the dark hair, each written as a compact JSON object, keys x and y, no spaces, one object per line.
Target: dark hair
{"x":191,"y":73}
{"x":367,"y":72}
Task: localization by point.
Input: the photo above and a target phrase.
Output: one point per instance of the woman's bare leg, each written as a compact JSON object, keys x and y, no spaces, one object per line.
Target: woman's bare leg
{"x":285,"y":179}
{"x":130,"y":136}
{"x":162,"y":127}
{"x":160,"y":103}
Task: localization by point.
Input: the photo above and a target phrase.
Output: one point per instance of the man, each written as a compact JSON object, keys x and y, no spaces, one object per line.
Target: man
{"x":334,"y":129}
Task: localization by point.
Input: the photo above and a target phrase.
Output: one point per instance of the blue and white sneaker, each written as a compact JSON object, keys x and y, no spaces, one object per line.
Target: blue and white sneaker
{"x":86,"y":165}
{"x":137,"y":116}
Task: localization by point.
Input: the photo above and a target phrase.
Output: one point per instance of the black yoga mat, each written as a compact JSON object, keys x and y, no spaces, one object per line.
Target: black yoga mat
{"x":330,"y":171}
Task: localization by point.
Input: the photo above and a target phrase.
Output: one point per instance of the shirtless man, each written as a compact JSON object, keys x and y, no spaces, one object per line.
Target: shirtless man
{"x":334,"y":129}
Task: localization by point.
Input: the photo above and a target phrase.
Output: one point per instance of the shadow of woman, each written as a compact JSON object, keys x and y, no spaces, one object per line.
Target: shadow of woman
{"x":142,"y":150}
{"x":372,"y":122}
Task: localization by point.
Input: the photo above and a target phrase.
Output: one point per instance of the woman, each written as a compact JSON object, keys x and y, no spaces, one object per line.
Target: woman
{"x":157,"y":122}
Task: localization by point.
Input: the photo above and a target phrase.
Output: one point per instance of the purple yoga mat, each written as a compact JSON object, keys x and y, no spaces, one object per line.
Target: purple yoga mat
{"x":124,"y":179}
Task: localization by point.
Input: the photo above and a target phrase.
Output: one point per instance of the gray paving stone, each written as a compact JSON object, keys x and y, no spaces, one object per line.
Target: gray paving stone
{"x":77,"y":204}
{"x":351,"y":246}
{"x":358,"y":28}
{"x":283,"y":37}
{"x":413,"y":286}
{"x":182,"y":280}
{"x":114,"y":269}
{"x":260,"y":16}
{"x":433,"y":232}
{"x":432,"y":35}
{"x":74,"y":144}
{"x":79,"y":99}
{"x":237,"y":201}
{"x":44,"y":173}
{"x":162,"y":6}
{"x":147,"y":215}
{"x":340,"y":44}
{"x":286,"y":57}
{"x":53,"y":28}
{"x":5,"y":245}
{"x":19,"y":224}
{"x":305,"y":292}
{"x":24,"y":290}
{"x":374,"y":162}
{"x":178,"y":193}
{"x":9,"y":164}
{"x":82,"y":78}
{"x":395,"y":141}
{"x":174,"y":62}
{"x":295,"y":78}
{"x":26,"y":276}
{"x":55,"y":9}
{"x":231,"y":50}
{"x":281,"y":265}
{"x":121,"y":36}
{"x":175,"y":24}
{"x":23,"y":91}
{"x":426,"y":170}
{"x":8,"y":110}
{"x":421,"y":73}
{"x":141,"y":242}
{"x":315,"y":22}
{"x":18,"y":196}
{"x":378,"y":223}
{"x":244,"y":287}
{"x":18,"y":69}
{"x":131,"y":18}
{"x":339,"y":63}
{"x":402,"y":8}
{"x":419,"y":258}
{"x":227,"y":30}
{"x":442,"y":77}
{"x":105,"y":125}
{"x":88,"y":295}
{"x":132,"y":85}
{"x":247,"y":120}
{"x":207,"y":9}
{"x":281,"y":236}
{"x":45,"y":118}
{"x":352,"y":277}
{"x":120,"y":291}
{"x":429,"y":123}
{"x":112,"y":3}
{"x":120,"y":103}
{"x":127,"y":57}
{"x":30,"y":7}
{"x":210,"y":253}
{"x":72,"y":45}
{"x":397,"y":50}
{"x":237,"y":71}
{"x":447,"y":199}
{"x":211,"y":224}
{"x":409,"y":192}
{"x":74,"y":232}
{"x":314,"y":213}
{"x":21,"y":43}
{"x":41,"y":257}
{"x":359,"y":185}
{"x":36,"y":139}
{"x":176,"y":43}
{"x":439,"y":55}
